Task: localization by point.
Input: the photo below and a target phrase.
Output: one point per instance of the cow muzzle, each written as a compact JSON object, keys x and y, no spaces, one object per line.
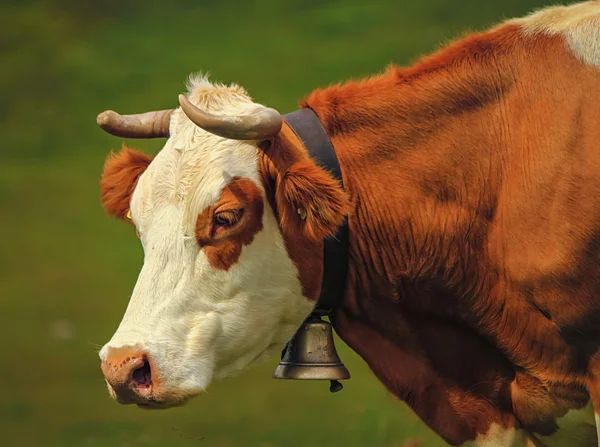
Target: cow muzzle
{"x":129,"y":375}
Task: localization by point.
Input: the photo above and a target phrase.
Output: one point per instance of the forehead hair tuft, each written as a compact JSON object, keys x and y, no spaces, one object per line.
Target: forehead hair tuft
{"x":214,"y":96}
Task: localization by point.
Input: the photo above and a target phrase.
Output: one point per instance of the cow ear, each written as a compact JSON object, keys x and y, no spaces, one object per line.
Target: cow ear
{"x":310,"y":201}
{"x":119,"y":179}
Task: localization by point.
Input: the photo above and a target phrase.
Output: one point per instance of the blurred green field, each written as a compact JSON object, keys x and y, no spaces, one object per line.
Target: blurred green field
{"x":66,"y":270}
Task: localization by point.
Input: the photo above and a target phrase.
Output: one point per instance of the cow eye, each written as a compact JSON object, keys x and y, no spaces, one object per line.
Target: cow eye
{"x":227,"y":219}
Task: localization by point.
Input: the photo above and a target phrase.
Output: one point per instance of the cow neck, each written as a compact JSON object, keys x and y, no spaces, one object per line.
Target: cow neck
{"x":308,"y":128}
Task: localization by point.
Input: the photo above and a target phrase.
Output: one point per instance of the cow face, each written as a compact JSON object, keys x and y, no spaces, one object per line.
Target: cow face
{"x":218,"y":290}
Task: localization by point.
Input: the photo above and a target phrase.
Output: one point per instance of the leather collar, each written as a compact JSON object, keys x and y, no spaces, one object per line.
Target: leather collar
{"x":308,"y":127}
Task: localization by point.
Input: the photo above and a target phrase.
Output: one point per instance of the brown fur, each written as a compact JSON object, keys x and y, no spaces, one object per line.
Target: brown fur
{"x":306,"y":188}
{"x":473,"y":260}
{"x":294,"y":182}
{"x":223,"y":249}
{"x":119,"y":179}
{"x":301,"y":185}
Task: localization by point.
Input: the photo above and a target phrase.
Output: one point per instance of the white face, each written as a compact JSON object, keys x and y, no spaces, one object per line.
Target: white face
{"x":212,"y":298}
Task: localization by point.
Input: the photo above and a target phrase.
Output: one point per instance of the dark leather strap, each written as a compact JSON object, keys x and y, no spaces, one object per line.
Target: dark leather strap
{"x":307,"y":126}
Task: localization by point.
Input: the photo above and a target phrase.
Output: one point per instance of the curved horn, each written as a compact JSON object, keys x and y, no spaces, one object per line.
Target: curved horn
{"x":262,"y":124}
{"x":143,"y":125}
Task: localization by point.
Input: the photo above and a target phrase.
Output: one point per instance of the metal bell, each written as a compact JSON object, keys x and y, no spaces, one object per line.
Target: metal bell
{"x":311,"y":355}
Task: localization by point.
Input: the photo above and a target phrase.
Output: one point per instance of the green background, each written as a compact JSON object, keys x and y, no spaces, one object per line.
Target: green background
{"x":66,"y":270}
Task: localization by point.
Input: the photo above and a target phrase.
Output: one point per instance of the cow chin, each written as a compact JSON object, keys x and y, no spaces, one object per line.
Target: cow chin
{"x":178,"y":401}
{"x":152,"y":398}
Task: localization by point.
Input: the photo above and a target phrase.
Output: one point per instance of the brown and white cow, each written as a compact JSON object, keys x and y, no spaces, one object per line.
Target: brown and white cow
{"x":472,"y":193}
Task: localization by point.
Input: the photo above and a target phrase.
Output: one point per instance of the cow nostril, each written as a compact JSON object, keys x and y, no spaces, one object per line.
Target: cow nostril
{"x":142,"y":376}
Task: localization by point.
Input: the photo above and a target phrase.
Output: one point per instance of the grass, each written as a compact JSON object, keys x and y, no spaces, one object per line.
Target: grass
{"x":66,"y":270}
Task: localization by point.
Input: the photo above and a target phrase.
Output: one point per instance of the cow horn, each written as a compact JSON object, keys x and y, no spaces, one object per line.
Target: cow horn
{"x":143,"y":125}
{"x":259,"y":125}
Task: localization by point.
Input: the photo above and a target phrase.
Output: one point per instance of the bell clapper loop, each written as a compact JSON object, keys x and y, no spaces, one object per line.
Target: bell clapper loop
{"x":335,"y":386}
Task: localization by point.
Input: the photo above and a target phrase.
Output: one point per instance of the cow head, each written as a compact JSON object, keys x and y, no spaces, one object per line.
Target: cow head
{"x":225,"y":213}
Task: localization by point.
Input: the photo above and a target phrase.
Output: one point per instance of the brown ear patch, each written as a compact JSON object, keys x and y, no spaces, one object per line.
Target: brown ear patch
{"x":240,"y":197}
{"x":310,"y":201}
{"x":119,"y":179}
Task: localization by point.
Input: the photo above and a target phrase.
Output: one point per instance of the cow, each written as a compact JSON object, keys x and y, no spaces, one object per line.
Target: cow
{"x":471,"y":191}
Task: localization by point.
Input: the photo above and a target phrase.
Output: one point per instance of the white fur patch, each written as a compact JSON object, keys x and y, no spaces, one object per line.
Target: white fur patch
{"x":579,"y":23}
{"x":576,"y":428}
{"x":498,"y":436}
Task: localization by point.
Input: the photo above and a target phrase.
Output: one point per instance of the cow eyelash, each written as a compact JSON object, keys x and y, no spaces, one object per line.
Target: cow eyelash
{"x":227,"y":219}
